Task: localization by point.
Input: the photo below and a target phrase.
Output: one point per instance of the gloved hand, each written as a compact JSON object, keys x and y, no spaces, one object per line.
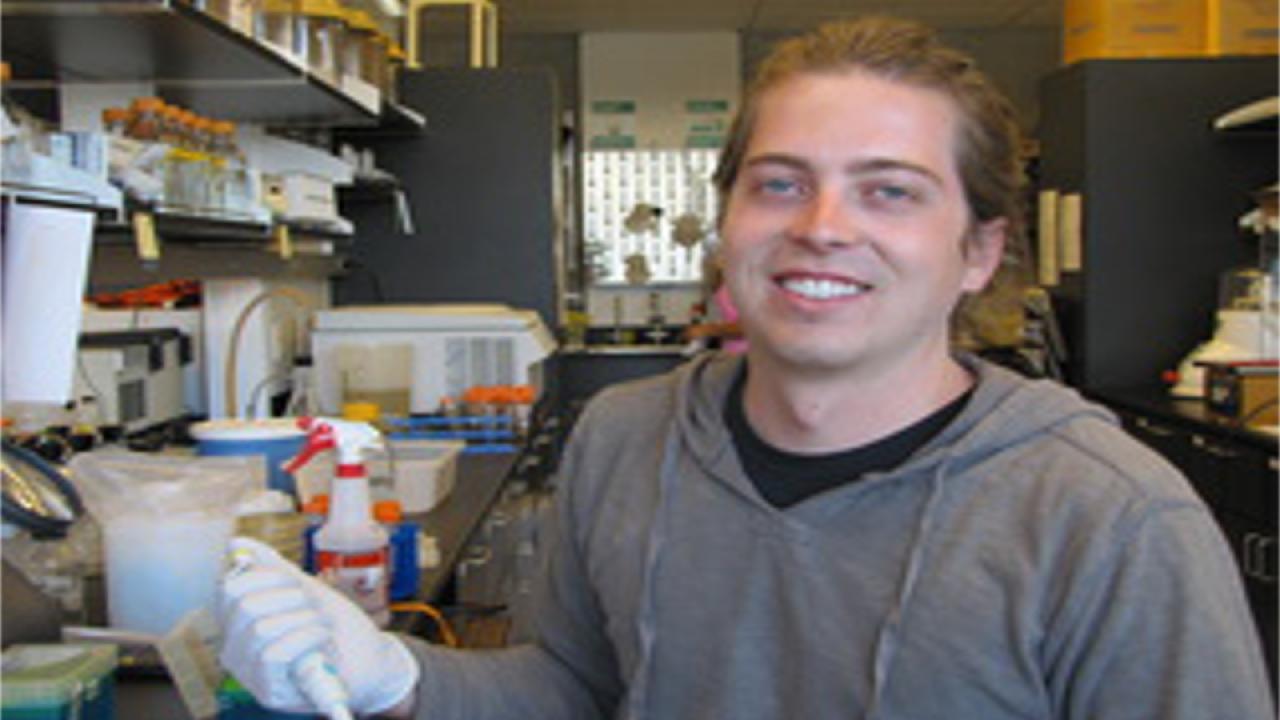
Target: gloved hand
{"x":274,"y":614}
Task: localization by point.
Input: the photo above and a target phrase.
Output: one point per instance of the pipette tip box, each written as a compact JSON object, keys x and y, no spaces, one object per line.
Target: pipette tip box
{"x":58,"y":682}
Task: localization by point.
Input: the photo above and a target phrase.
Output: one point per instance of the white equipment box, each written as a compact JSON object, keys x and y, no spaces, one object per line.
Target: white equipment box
{"x":136,"y":375}
{"x":431,"y":351}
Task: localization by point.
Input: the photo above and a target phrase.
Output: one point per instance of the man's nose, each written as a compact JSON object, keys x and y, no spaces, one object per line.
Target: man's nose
{"x":825,"y":222}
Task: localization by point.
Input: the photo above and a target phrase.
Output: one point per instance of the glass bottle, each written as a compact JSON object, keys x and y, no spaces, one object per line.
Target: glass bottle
{"x":145,"y":119}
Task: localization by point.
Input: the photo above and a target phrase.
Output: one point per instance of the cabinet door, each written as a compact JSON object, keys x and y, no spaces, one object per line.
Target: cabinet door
{"x":1243,"y":477}
{"x":1256,"y":551}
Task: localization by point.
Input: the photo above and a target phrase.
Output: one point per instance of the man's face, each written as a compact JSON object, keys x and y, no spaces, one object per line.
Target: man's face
{"x":844,"y":234}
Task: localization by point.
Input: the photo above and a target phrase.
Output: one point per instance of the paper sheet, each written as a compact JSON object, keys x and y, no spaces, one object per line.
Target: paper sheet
{"x":1047,"y":238}
{"x":1071,"y":232}
{"x":46,"y":262}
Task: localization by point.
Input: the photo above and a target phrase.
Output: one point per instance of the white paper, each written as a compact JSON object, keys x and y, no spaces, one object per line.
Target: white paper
{"x":46,"y":261}
{"x":1071,"y":232}
{"x":1047,"y":238}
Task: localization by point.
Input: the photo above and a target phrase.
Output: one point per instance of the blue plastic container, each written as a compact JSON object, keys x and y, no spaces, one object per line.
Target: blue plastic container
{"x":276,"y":440}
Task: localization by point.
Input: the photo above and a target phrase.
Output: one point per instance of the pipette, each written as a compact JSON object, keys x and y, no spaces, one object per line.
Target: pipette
{"x":315,"y":678}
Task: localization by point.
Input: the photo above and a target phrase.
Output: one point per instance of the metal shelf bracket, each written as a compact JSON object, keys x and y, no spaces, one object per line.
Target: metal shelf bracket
{"x":483,"y":25}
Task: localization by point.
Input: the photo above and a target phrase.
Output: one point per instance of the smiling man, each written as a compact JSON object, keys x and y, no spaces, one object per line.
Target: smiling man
{"x":853,"y":520}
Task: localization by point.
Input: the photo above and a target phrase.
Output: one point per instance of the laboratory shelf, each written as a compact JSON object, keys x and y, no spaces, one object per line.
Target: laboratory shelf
{"x":116,"y":264}
{"x":192,"y":59}
{"x":59,"y":198}
{"x":170,"y":225}
{"x":397,"y":120}
{"x":175,"y":226}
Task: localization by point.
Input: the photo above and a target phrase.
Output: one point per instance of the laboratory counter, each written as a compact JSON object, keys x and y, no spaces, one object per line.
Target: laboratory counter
{"x":479,"y":483}
{"x":480,"y":479}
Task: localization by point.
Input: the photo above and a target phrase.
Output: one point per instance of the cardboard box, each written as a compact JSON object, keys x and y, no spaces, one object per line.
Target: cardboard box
{"x":1242,"y":27}
{"x":1244,"y":391}
{"x":1132,"y":29}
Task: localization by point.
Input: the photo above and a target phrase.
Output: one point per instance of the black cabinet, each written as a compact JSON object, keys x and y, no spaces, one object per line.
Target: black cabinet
{"x":1161,"y":193}
{"x":480,"y":185}
{"x":1235,"y":471}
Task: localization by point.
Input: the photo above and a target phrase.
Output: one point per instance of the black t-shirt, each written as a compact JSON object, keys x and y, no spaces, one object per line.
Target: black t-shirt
{"x":785,"y":478}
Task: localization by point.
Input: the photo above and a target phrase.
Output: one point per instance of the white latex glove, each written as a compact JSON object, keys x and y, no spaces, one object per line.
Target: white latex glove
{"x":273,"y":614}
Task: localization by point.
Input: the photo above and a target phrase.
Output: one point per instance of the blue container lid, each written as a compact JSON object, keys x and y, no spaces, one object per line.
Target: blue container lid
{"x":247,"y":430}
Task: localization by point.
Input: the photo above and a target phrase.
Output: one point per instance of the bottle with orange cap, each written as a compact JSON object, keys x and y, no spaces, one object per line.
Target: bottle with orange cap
{"x":115,"y":121}
{"x":145,"y":118}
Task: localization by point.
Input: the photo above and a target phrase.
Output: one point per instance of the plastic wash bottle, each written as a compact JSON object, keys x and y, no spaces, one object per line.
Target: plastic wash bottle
{"x":352,"y":551}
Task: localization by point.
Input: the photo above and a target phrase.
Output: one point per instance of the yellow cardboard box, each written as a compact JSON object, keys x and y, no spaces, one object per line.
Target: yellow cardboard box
{"x":1243,"y":27}
{"x":1132,"y":29}
{"x":1246,"y":391}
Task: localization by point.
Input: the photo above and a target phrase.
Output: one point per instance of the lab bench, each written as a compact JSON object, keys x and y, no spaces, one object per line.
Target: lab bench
{"x":481,"y":478}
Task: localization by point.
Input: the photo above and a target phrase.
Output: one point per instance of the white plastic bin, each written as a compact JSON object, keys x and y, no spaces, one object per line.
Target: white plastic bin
{"x":425,"y":471}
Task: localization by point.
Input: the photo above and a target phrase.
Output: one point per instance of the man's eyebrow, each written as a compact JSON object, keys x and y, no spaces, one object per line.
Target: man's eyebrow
{"x":790,"y":161}
{"x":879,"y":164}
{"x":857,"y":167}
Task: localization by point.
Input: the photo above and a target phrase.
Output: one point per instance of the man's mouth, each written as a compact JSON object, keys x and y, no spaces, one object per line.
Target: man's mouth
{"x":822,"y":288}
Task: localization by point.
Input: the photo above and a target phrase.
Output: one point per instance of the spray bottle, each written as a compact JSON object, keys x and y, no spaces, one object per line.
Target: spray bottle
{"x":352,"y":549}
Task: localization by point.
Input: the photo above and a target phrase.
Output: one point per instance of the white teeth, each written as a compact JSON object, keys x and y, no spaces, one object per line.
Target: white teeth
{"x":820,"y":289}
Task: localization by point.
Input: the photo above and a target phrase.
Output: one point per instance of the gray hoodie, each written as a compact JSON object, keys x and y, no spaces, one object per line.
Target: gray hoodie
{"x":1031,"y":561}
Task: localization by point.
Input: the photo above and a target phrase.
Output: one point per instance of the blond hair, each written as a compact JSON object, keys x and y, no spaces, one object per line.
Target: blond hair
{"x":907,"y":52}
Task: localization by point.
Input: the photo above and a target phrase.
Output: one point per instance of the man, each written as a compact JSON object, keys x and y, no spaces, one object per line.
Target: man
{"x":852,"y":521}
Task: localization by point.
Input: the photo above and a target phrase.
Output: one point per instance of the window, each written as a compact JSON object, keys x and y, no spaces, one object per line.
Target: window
{"x":633,"y":203}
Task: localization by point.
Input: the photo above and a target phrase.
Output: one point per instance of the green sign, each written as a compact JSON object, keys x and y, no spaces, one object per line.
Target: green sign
{"x":706,"y":107}
{"x":613,"y":142}
{"x":704,"y":142}
{"x":613,"y":107}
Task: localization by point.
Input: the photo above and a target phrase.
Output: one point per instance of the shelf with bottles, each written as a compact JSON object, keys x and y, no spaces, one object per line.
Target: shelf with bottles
{"x":192,"y":58}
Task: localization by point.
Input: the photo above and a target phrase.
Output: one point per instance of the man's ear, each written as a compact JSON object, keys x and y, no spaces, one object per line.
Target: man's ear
{"x":983,"y":251}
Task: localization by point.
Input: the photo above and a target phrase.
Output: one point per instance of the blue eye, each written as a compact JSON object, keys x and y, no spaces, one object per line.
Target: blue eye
{"x":893,"y":192}
{"x":779,"y":186}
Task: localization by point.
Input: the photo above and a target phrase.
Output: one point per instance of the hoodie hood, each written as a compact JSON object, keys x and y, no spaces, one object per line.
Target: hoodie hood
{"x":1004,"y":410}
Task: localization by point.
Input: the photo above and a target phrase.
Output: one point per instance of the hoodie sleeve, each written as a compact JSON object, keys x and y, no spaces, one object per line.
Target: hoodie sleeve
{"x":1159,"y":628}
{"x":568,"y":673}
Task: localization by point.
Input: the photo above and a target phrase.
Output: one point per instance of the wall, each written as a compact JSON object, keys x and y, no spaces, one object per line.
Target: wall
{"x":1016,"y":59}
{"x":660,"y":74}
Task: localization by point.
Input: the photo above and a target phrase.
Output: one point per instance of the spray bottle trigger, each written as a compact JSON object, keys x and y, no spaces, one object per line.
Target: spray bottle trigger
{"x":316,"y":441}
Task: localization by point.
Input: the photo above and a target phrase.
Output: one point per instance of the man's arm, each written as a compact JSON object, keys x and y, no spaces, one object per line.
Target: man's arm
{"x":1160,"y":629}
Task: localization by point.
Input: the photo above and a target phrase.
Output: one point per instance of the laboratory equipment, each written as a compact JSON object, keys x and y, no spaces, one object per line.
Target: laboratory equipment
{"x":314,"y":676}
{"x":450,"y":347}
{"x":136,"y":375}
{"x":1246,"y":326}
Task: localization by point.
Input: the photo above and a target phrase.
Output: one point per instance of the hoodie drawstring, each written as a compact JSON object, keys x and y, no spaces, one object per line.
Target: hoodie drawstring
{"x":647,"y":622}
{"x":887,"y":640}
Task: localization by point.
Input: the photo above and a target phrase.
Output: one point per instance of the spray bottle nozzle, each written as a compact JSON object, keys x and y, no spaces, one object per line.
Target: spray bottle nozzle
{"x":319,"y":437}
{"x":349,"y":438}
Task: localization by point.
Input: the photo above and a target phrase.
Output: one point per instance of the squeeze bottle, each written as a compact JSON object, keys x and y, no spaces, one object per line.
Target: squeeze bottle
{"x":352,"y":550}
